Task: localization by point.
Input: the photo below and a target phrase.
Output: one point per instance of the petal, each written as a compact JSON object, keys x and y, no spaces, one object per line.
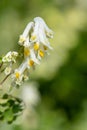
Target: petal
{"x":25,"y":34}
{"x":27,"y":43}
{"x":34,"y":35}
{"x":27,"y":29}
{"x":23,"y":66}
{"x":33,"y":56}
{"x":48,"y":31}
{"x":43,"y":39}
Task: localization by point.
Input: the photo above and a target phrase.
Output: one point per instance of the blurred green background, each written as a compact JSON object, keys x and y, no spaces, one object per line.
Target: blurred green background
{"x":62,"y":76}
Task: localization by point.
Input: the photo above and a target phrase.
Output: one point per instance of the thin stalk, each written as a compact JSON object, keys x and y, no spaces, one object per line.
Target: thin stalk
{"x":5,"y":79}
{"x":3,"y":69}
{"x":1,"y":65}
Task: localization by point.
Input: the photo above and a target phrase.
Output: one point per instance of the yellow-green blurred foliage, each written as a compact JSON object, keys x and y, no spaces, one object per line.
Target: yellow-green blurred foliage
{"x":62,"y":76}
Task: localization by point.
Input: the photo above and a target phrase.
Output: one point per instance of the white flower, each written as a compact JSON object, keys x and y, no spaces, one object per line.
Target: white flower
{"x":30,"y":54}
{"x":10,"y":57}
{"x":48,"y":31}
{"x":33,"y":56}
{"x":35,"y":43}
{"x":24,"y":38}
{"x":8,"y":70}
{"x":40,"y":32}
{"x":18,"y":73}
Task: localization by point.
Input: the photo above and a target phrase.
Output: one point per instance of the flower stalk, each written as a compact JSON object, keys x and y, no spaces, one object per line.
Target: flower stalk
{"x":5,"y":79}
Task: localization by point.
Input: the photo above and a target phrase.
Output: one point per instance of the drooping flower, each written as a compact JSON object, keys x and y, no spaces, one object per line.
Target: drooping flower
{"x":24,"y":38}
{"x":48,"y":31}
{"x":40,"y":32}
{"x":34,"y":57}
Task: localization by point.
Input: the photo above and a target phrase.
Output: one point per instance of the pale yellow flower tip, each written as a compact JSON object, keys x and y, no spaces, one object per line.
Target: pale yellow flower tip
{"x":36,"y":46}
{"x":21,"y":39}
{"x":41,"y":53}
{"x":31,"y":62}
{"x":17,"y":75}
{"x":26,"y":51}
{"x":33,"y":38}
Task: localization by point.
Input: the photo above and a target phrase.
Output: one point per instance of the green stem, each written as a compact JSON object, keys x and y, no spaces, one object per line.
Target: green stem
{"x":5,"y":79}
{"x":1,"y":65}
{"x":2,"y":70}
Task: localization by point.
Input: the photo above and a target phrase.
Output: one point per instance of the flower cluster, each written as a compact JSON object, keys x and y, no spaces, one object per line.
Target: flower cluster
{"x":9,"y":58}
{"x":35,"y":43}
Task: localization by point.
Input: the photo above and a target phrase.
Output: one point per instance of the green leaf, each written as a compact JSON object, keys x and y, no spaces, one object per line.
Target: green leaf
{"x":8,"y":115}
{"x":5,"y":96}
{"x":10,"y":107}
